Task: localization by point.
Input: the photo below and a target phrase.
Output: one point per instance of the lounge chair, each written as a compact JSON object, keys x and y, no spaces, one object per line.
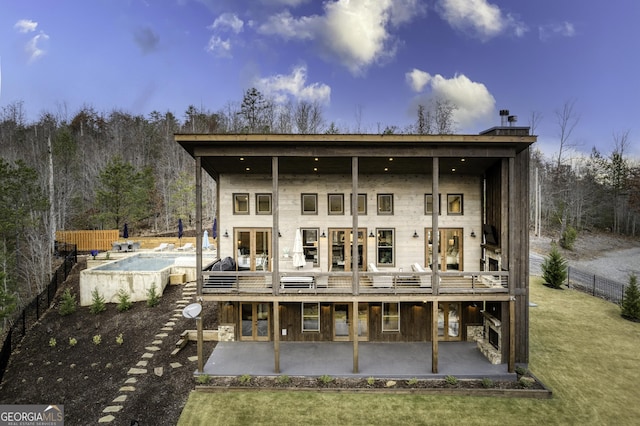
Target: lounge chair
{"x":161,"y":247}
{"x":380,"y":280}
{"x":115,"y":246}
{"x":424,"y":277}
{"x":187,"y":246}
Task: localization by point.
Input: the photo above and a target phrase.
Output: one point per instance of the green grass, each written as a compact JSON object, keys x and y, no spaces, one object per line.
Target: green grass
{"x":580,"y":347}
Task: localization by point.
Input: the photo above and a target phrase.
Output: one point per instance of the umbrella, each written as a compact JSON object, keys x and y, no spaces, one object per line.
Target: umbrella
{"x":298,"y":253}
{"x":205,"y":240}
{"x":125,"y":232}
{"x":215,"y":228}
{"x":180,"y":228}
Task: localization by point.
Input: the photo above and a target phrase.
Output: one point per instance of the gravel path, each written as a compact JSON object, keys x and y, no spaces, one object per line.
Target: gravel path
{"x":616,"y":265}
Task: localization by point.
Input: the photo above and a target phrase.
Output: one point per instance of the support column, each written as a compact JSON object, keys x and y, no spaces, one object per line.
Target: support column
{"x":276,"y":336}
{"x":354,"y":332}
{"x":434,"y":336}
{"x":354,"y":225}
{"x":199,"y":332}
{"x":435,"y":234}
{"x":275,"y":247}
{"x":512,"y":335}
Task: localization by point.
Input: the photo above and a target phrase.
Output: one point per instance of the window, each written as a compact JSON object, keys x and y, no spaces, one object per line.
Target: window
{"x":428,"y":204}
{"x":362,"y":204}
{"x":240,"y":203}
{"x":391,"y":316}
{"x":309,"y":203}
{"x":310,"y":317}
{"x":263,"y":203}
{"x":454,"y":203}
{"x":310,"y":245}
{"x":385,"y":246}
{"x":385,"y":203}
{"x":336,"y":203}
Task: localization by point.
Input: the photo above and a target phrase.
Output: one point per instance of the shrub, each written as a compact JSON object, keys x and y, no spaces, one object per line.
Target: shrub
{"x":284,"y":379}
{"x":124,"y":301}
{"x":52,"y":342}
{"x":568,"y":238}
{"x":451,"y":380}
{"x":97,"y":339}
{"x":630,"y":307}
{"x":526,"y":382}
{"x":97,"y":302}
{"x":153,"y":299}
{"x":72,"y":341}
{"x":245,"y":379}
{"x":554,"y":269}
{"x":521,"y":371}
{"x":68,"y":303}
{"x":203,"y":379}
{"x":371,"y":381}
{"x":413,"y":381}
{"x":325,"y":379}
{"x":487,"y":383}
{"x":119,"y":339}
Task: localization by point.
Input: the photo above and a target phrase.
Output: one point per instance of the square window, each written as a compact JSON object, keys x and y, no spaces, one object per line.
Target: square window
{"x":336,"y":203}
{"x":385,"y":204}
{"x":240,"y":203}
{"x":310,"y":317}
{"x":263,"y":203}
{"x":385,"y":246}
{"x":309,"y":203}
{"x":310,"y":245}
{"x":454,"y":203}
{"x":428,"y":204}
{"x":391,"y":316}
{"x":362,"y":204}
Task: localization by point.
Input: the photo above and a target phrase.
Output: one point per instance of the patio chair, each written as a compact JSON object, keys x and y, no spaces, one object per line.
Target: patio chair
{"x":187,"y":246}
{"x":425,"y":279}
{"x":161,"y":247}
{"x":380,"y":280}
{"x":115,"y":246}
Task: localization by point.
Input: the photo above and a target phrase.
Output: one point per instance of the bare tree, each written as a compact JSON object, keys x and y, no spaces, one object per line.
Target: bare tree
{"x":308,"y":117}
{"x":567,"y":119}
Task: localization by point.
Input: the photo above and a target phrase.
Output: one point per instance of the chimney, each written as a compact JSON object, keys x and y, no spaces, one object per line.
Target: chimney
{"x":504,"y":113}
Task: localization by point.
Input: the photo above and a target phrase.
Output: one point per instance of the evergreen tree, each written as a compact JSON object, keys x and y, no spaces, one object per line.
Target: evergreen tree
{"x":631,"y":300}
{"x":554,"y":269}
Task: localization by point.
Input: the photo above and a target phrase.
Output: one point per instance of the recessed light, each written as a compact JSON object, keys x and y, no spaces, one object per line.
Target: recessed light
{"x":248,"y":168}
{"x":463,"y":159}
{"x":453,"y":170}
{"x":386,"y":169}
{"x":390,"y":158}
{"x":315,"y":169}
{"x":315,"y":159}
{"x":241,"y":158}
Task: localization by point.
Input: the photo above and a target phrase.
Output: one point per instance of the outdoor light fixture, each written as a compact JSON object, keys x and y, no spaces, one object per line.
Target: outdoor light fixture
{"x":415,"y":234}
{"x":226,"y":234}
{"x":279,"y":234}
{"x":323,"y":235}
{"x":371,"y":234}
{"x":473,"y":234}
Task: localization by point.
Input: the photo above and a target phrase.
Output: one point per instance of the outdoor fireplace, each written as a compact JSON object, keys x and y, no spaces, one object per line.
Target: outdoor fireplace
{"x":494,"y":338}
{"x":491,"y":343}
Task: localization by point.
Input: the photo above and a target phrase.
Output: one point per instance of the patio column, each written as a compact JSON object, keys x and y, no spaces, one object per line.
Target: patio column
{"x":434,"y":335}
{"x":200,"y":337}
{"x":354,"y":223}
{"x":512,"y":335}
{"x":275,"y":208}
{"x":276,"y":336}
{"x":435,"y":235}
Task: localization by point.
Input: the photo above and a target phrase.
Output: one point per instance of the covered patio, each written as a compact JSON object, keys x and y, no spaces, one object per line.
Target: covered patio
{"x":380,"y":360}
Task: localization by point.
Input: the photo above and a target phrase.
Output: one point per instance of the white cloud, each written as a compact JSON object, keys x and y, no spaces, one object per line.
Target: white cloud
{"x":219,"y":47}
{"x":355,"y":32}
{"x":479,"y":17}
{"x":417,"y":79}
{"x":281,"y":87}
{"x":562,"y":29}
{"x":292,"y":3}
{"x":25,"y":26}
{"x":227,"y":21}
{"x":473,"y":100}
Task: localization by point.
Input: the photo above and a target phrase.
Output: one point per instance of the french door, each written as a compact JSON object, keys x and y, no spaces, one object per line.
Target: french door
{"x":342,"y":317}
{"x":450,"y":249}
{"x":252,"y":246}
{"x":449,"y":321}
{"x":254,"y":321}
{"x":340,"y":251}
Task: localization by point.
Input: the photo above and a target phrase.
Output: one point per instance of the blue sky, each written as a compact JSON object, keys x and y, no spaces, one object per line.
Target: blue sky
{"x":368,"y":62}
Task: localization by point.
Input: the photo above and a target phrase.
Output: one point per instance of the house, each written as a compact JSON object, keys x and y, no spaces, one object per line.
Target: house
{"x":405,"y":238}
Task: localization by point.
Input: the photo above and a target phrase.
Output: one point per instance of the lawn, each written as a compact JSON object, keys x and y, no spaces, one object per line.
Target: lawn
{"x":580,"y":348}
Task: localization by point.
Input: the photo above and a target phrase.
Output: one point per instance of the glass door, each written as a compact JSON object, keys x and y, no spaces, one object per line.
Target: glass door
{"x":252,"y":249}
{"x":449,"y":321}
{"x":340,"y":252}
{"x":341,"y":321}
{"x":363,"y":321}
{"x":254,"y":320}
{"x":451,"y":256}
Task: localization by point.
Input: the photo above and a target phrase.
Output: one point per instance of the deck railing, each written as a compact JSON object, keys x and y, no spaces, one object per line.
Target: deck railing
{"x":391,"y":282}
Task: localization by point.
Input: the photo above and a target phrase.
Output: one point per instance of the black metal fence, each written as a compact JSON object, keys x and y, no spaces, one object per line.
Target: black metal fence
{"x":32,"y":312}
{"x":595,"y":285}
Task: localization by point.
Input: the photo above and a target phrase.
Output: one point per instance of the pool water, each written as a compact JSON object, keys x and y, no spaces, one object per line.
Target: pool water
{"x":138,"y":263}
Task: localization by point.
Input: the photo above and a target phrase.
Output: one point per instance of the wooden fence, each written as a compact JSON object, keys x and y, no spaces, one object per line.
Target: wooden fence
{"x":89,"y":240}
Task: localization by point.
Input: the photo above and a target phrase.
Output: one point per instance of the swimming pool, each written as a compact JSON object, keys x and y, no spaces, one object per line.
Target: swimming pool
{"x":139,"y":263}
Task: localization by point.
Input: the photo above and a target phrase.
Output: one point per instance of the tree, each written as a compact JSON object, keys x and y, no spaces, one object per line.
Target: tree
{"x":436,"y":118}
{"x":630,"y":307}
{"x":554,"y":268}
{"x":255,"y":110}
{"x":123,"y":194}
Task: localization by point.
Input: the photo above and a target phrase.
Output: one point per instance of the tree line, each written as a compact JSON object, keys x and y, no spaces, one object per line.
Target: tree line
{"x":100,"y":170}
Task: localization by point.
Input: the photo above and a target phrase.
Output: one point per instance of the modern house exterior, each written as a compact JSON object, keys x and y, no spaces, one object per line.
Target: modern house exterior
{"x":380,"y":238}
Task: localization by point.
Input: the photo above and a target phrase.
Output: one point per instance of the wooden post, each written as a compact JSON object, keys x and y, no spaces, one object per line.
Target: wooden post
{"x":200,"y":343}
{"x":435,"y":233}
{"x":276,"y":336}
{"x":512,"y":335}
{"x":200,"y":338}
{"x":434,"y":336}
{"x":354,"y":332}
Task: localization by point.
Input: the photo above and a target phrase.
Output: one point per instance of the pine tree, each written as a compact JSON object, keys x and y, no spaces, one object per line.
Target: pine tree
{"x":554,"y":269}
{"x":631,"y":300}
{"x":97,"y":302}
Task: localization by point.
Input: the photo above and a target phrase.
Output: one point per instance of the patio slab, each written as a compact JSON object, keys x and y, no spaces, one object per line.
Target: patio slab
{"x":381,"y":360}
